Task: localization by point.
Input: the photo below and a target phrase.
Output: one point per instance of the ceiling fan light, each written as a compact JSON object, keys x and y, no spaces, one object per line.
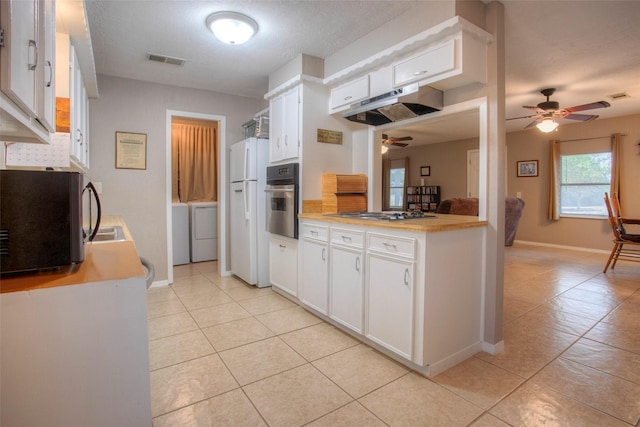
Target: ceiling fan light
{"x":232,"y":27}
{"x":547,"y":125}
{"x":384,"y":149}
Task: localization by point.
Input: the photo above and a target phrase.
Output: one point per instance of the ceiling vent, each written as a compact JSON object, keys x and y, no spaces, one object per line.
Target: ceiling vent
{"x":165,"y":59}
{"x":619,"y":95}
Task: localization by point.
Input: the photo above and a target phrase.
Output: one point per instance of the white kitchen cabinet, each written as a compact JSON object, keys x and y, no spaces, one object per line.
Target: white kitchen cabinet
{"x":381,"y":81}
{"x":348,"y":93}
{"x":390,"y":292}
{"x":456,"y":62}
{"x":79,"y":106}
{"x":314,"y":287}
{"x":284,"y":138}
{"x":26,"y":70}
{"x":283,"y":264}
{"x":390,"y":303}
{"x":347,"y":278}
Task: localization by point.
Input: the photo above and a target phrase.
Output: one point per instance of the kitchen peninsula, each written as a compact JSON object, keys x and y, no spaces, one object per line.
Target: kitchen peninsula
{"x":75,"y":345}
{"x":411,"y":288}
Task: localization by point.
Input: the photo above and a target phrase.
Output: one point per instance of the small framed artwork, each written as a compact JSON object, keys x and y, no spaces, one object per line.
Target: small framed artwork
{"x":131,"y":150}
{"x":527,"y":168}
{"x":425,"y":170}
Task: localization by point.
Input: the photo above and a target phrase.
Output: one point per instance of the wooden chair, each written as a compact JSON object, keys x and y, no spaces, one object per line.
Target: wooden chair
{"x":625,"y":246}
{"x":617,"y":212}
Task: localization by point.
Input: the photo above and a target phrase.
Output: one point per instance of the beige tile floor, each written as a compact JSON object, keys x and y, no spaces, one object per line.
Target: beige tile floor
{"x":226,"y":354}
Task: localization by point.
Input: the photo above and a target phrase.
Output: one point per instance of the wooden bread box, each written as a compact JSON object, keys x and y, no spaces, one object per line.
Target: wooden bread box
{"x":344,"y":193}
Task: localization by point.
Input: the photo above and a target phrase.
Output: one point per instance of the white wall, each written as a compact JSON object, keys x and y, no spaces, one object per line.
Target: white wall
{"x":140,"y":195}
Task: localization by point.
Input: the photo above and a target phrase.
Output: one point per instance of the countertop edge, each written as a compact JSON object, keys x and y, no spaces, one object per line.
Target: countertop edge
{"x":441,"y":222}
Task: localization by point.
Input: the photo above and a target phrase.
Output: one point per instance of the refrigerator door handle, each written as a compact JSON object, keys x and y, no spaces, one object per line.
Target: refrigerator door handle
{"x":246,"y":161}
{"x":246,"y":202}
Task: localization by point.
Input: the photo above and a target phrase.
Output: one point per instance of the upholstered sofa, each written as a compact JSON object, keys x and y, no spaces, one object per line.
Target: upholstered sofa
{"x":469,"y":206}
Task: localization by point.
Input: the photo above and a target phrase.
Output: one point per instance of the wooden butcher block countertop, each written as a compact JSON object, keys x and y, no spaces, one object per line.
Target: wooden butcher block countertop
{"x":436,"y":223}
{"x":103,"y":261}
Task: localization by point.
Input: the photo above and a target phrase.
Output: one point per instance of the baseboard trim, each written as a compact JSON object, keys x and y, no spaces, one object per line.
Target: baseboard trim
{"x":159,"y":284}
{"x":573,"y":248}
{"x":493,"y":348}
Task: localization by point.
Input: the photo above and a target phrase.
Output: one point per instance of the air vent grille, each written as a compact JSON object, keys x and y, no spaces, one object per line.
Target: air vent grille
{"x":165,"y":59}
{"x":4,"y":242}
{"x":619,"y":95}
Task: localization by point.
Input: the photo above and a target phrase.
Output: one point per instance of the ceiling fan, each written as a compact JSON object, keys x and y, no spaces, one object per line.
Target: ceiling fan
{"x":395,"y":141}
{"x":549,"y":110}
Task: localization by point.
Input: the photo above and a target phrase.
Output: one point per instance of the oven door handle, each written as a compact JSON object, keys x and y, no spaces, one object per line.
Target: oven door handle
{"x":279,"y":190}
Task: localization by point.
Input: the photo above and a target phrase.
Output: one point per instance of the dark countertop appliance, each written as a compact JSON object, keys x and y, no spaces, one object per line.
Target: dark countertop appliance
{"x":41,"y":219}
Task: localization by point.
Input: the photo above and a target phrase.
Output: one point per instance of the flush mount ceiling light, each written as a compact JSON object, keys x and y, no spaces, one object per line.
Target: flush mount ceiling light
{"x":232,"y":27}
{"x":384,"y":149}
{"x":547,"y":125}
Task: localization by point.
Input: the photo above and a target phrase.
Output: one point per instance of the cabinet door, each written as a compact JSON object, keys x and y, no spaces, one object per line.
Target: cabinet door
{"x":291,"y":125}
{"x":46,"y":94}
{"x":78,"y":100}
{"x":315,"y":275}
{"x":283,"y":264}
{"x":390,"y":303}
{"x":276,"y":130}
{"x":349,"y":93}
{"x":425,"y":65}
{"x":20,"y":54}
{"x":347,"y":287}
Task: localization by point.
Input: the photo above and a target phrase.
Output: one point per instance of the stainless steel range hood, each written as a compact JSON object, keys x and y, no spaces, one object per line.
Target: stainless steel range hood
{"x":399,"y":104}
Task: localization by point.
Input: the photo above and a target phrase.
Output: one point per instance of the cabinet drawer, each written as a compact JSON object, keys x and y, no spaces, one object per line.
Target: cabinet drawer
{"x":352,"y":238}
{"x":425,"y":65}
{"x":350,"y":92}
{"x":317,"y":232}
{"x":392,"y":245}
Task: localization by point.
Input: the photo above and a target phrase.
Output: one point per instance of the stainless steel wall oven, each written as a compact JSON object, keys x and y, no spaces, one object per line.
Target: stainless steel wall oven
{"x":282,"y":200}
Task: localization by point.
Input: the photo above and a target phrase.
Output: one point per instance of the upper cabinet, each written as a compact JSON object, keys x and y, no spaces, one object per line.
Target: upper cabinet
{"x":348,"y":93}
{"x":27,"y":49}
{"x":284,"y":125}
{"x":457,"y":62}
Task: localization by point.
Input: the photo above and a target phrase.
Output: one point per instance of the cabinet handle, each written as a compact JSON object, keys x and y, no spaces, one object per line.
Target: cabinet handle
{"x":346,"y":98}
{"x":50,"y":73}
{"x":406,"y":277}
{"x":389,"y":245}
{"x":283,"y":246}
{"x":286,"y":141}
{"x":278,"y":142}
{"x":324,"y":254}
{"x":314,"y":233}
{"x":357,"y":263}
{"x":34,"y":45}
{"x":346,"y":239}
{"x":417,"y":73}
{"x":80,"y":137}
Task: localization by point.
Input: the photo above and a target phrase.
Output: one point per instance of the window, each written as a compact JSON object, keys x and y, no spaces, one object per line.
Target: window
{"x":396,"y":187}
{"x":584,"y":178}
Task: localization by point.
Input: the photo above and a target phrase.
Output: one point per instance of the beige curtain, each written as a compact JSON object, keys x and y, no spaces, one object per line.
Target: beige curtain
{"x":553,"y":211}
{"x":616,"y":173}
{"x":194,"y":162}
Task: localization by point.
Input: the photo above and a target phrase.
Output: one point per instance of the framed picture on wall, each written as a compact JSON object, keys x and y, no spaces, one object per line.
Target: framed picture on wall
{"x":425,"y":170}
{"x":527,"y":168}
{"x":131,"y":150}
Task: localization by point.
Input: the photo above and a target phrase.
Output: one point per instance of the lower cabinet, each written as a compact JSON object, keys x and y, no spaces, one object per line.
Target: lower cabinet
{"x":390,"y":303}
{"x":347,"y":287}
{"x":315,"y":272}
{"x":283,"y":264}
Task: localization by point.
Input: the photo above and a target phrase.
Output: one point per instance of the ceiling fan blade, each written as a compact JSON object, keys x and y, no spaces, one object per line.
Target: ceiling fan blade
{"x":581,"y":117}
{"x":535,"y":108}
{"x":398,"y":144}
{"x":593,"y":105}
{"x":533,"y":123}
{"x":403,"y":138}
{"x":524,"y":117}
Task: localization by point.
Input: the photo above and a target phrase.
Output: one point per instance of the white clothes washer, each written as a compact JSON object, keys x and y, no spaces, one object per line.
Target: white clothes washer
{"x":204,"y":231}
{"x":180,"y":233}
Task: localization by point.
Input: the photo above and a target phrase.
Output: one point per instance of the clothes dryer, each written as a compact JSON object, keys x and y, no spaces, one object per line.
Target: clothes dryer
{"x":204,"y":231}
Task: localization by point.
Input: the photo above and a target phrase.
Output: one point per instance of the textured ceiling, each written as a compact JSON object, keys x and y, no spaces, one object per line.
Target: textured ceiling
{"x":586,"y":49}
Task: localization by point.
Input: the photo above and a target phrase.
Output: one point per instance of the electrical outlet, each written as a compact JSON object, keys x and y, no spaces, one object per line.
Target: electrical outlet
{"x":519,"y":195}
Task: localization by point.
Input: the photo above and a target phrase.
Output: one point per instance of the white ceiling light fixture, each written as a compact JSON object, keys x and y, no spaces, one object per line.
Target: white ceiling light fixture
{"x":232,"y":27}
{"x":384,"y":149}
{"x":547,"y":125}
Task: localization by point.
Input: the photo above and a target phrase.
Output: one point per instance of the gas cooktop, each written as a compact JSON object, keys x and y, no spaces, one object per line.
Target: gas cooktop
{"x":385,"y":216}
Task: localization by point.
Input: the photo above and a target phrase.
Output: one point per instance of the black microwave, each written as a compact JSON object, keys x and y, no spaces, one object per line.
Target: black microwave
{"x":41,"y":221}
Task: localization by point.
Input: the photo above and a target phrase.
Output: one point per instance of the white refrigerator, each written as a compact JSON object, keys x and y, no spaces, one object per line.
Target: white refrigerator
{"x":249,"y":240}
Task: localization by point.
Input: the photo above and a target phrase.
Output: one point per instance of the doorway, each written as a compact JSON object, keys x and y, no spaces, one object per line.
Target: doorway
{"x":220,"y":122}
